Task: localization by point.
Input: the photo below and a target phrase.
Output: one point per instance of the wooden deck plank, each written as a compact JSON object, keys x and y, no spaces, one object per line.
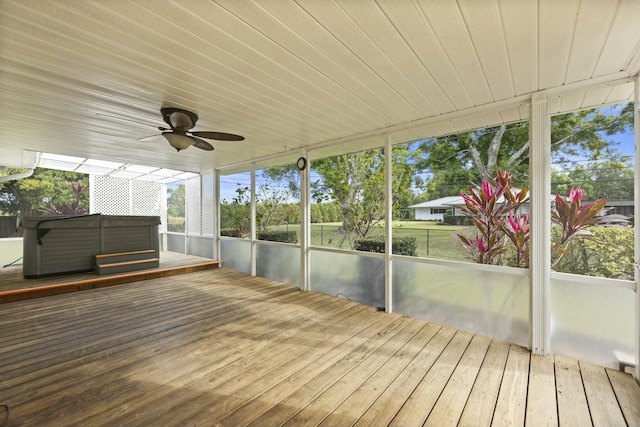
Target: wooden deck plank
{"x":130,"y":314}
{"x":483,"y":397}
{"x":418,"y":406}
{"x":226,"y":315}
{"x":110,"y":335}
{"x":46,"y":324}
{"x":603,"y":405}
{"x":364,"y":396}
{"x":573,"y":409}
{"x":394,"y":397}
{"x":331,"y":398}
{"x":385,"y":408}
{"x":247,"y":405}
{"x":628,"y":395}
{"x":82,"y":319}
{"x":306,"y":393}
{"x":512,"y":398}
{"x":42,"y":319}
{"x":224,"y":348}
{"x":183,"y":355}
{"x":50,"y":327}
{"x":542,"y":409}
{"x":233,"y":386}
{"x":257,"y":405}
{"x":451,"y":403}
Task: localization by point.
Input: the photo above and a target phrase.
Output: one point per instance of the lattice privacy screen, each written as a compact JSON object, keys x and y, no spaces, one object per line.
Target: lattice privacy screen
{"x":117,"y":196}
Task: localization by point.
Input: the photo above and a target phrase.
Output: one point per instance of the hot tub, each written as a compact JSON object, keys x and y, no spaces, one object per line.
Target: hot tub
{"x":62,"y":245}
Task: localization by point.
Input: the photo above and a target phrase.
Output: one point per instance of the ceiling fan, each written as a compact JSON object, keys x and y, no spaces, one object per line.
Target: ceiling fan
{"x":179,"y":135}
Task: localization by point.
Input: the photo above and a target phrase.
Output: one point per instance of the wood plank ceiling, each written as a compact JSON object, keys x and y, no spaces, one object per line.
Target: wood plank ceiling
{"x":87,"y":78}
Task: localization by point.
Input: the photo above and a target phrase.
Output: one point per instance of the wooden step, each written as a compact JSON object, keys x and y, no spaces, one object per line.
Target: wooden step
{"x":120,"y":257}
{"x":126,"y":266}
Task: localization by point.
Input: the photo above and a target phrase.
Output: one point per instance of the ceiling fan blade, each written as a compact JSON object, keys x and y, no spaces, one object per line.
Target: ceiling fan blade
{"x":150,"y":138}
{"x":202,"y":144}
{"x":220,"y":136}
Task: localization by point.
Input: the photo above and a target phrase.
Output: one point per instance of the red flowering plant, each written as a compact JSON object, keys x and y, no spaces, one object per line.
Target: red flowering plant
{"x":573,"y":217}
{"x":517,"y":230}
{"x":493,"y":209}
{"x":73,"y":207}
{"x":489,"y":208}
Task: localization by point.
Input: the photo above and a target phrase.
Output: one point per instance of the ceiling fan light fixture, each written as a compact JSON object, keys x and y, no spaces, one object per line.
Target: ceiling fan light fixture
{"x":179,"y":135}
{"x":177,"y":141}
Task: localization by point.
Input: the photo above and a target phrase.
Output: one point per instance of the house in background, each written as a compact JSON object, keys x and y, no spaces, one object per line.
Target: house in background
{"x":435,"y":210}
{"x":620,"y":207}
{"x":620,"y":211}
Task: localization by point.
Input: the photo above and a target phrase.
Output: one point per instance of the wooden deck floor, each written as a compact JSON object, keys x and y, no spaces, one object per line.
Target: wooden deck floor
{"x":11,"y":278}
{"x":14,"y":287}
{"x":219,"y":347}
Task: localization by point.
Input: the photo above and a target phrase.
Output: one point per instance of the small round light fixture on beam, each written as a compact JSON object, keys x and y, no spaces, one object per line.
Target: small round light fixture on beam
{"x":301,"y":163}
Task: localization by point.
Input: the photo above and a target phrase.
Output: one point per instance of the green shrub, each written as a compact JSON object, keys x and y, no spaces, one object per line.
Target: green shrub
{"x":230,"y":232}
{"x":604,"y":252}
{"x":455,"y":220}
{"x":175,"y":225}
{"x":400,"y":245}
{"x":283,"y":236}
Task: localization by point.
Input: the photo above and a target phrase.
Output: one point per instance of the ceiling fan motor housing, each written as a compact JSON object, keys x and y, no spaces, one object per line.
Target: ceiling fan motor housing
{"x":178,"y":119}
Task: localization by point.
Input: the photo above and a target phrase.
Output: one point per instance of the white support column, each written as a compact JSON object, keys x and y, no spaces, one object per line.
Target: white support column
{"x":253,"y":222}
{"x":187,"y":198}
{"x":216,"y":215}
{"x":164,"y":217}
{"x":388,"y":224}
{"x":305,"y":224}
{"x":636,"y":130}
{"x":540,"y":200}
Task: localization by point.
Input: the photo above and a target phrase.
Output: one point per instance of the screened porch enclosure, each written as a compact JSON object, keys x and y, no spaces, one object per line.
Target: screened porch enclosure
{"x":589,"y":318}
{"x":344,"y":115}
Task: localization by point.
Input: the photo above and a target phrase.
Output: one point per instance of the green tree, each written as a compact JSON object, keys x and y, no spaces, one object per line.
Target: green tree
{"x":29,"y":196}
{"x":329,"y":212}
{"x":235,"y":215}
{"x":176,"y":208}
{"x":403,"y":178}
{"x":334,"y":212}
{"x":286,"y":175}
{"x":270,"y":205}
{"x":355,"y":181}
{"x":472,"y":157}
{"x":316,"y":213}
{"x":611,"y":179}
{"x":293,"y":213}
{"x":456,"y":161}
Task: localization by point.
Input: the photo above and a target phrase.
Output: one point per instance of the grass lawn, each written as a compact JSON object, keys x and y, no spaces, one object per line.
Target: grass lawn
{"x":433,"y":240}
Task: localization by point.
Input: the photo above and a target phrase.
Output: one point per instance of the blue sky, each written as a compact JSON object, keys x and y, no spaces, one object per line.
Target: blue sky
{"x":626,"y":143}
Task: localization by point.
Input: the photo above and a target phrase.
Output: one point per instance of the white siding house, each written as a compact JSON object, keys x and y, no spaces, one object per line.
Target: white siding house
{"x":435,"y":210}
